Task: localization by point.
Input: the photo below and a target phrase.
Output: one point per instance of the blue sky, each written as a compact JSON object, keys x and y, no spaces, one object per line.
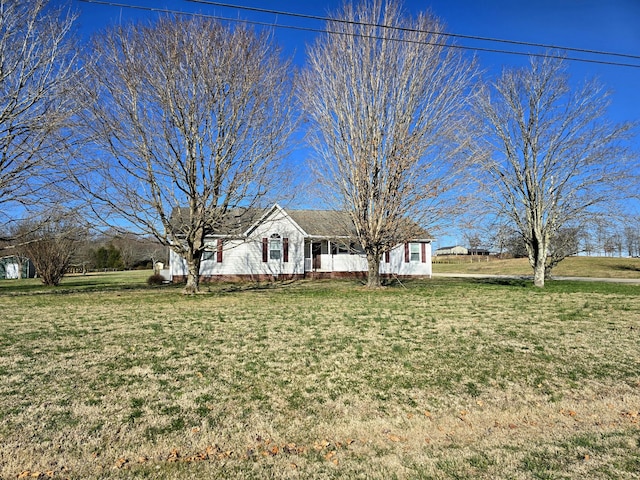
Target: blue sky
{"x":611,"y":25}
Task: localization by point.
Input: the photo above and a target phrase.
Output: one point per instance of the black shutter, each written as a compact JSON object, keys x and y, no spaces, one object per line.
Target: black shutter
{"x":219,"y":256}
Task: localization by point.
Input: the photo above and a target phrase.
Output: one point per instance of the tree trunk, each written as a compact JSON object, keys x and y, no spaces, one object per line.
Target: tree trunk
{"x":538,"y":272}
{"x":373,"y":277}
{"x":537,"y":259}
{"x":20,"y":263}
{"x":193,"y":274}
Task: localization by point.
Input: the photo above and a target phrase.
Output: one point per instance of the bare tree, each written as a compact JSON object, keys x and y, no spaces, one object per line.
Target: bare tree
{"x":507,"y":241}
{"x":50,"y":244}
{"x":38,"y":69}
{"x":472,"y":235}
{"x":384,"y":97}
{"x":136,"y":250}
{"x":550,"y":159}
{"x":499,"y":238}
{"x":565,"y":242}
{"x":189,"y":120}
{"x":632,"y":236}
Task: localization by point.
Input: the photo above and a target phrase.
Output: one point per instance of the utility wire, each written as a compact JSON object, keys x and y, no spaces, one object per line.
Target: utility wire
{"x":324,"y":30}
{"x":148,"y":9}
{"x":413,"y":30}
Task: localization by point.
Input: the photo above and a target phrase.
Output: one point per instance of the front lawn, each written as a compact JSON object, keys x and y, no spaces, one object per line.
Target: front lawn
{"x":435,"y":379}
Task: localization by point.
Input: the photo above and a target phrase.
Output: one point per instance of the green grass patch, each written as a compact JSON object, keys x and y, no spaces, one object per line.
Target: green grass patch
{"x":446,"y":378}
{"x":94,"y":281}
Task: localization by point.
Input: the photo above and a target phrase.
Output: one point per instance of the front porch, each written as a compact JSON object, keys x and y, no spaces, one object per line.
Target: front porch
{"x":332,"y":258}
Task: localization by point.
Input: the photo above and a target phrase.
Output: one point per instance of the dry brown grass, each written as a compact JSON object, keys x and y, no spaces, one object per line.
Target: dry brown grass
{"x":442,"y":379}
{"x":598,"y":267}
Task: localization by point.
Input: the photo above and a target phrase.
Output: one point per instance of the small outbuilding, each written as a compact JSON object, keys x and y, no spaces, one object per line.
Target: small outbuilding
{"x":13,"y":267}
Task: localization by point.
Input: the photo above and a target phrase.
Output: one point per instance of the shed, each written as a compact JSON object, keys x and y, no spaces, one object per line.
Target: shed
{"x":13,"y":267}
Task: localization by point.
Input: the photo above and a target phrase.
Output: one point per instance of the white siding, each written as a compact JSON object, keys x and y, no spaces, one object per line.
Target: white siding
{"x":457,"y":250}
{"x":12,"y":271}
{"x":395,"y":266}
{"x":281,"y":224}
{"x":343,"y":263}
{"x":244,"y":256}
{"x":177,"y":265}
{"x":398,"y":266}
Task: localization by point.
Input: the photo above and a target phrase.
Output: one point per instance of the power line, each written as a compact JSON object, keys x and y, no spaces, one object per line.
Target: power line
{"x":413,"y":30}
{"x":148,"y":9}
{"x":373,"y":37}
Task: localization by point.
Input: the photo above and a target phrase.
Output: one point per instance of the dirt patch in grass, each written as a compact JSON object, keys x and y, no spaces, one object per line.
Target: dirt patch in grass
{"x":441,"y":379}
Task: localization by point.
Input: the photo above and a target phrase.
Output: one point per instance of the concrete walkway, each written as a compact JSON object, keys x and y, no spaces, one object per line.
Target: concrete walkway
{"x":632,"y":281}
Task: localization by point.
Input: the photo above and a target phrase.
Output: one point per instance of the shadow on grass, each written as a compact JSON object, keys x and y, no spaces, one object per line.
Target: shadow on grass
{"x":626,"y":268}
{"x":233,"y":287}
{"x":70,"y":287}
{"x":311,"y":287}
{"x":504,"y":282}
{"x":341,"y":287}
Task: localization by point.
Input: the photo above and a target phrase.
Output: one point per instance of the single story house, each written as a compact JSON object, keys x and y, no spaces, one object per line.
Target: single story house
{"x":277,"y":243}
{"x":452,"y":250}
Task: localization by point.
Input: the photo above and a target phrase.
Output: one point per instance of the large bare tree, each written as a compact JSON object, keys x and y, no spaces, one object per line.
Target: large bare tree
{"x":189,"y":120}
{"x":50,"y":242}
{"x":38,"y":70}
{"x":550,"y":159}
{"x":385,"y":100}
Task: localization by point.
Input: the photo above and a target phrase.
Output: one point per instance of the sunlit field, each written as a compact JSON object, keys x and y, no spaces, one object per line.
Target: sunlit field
{"x":430,"y":379}
{"x":603,"y":267}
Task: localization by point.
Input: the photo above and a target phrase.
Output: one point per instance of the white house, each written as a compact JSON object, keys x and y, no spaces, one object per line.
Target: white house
{"x":453,"y":250}
{"x":278,"y":243}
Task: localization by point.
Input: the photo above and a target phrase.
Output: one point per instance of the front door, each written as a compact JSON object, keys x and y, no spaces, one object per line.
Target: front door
{"x":316,"y":251}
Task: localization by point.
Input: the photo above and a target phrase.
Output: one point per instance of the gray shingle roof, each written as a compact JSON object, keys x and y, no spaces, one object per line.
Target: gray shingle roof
{"x":336,"y":224}
{"x":315,"y":223}
{"x":235,"y":222}
{"x":324,"y":223}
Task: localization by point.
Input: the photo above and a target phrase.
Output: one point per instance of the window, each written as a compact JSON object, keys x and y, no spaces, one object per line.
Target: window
{"x":415,"y":252}
{"x":275,"y":247}
{"x":339,"y":249}
{"x":213,"y":253}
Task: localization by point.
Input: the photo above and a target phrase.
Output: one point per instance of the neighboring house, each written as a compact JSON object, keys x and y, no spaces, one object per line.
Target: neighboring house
{"x":279,"y":243}
{"x":479,"y":251}
{"x":14,"y":267}
{"x":454,"y":250}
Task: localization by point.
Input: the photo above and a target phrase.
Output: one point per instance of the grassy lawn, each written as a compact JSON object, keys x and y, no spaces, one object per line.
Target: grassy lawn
{"x":439,"y":379}
{"x":600,"y":267}
{"x":93,"y":281}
